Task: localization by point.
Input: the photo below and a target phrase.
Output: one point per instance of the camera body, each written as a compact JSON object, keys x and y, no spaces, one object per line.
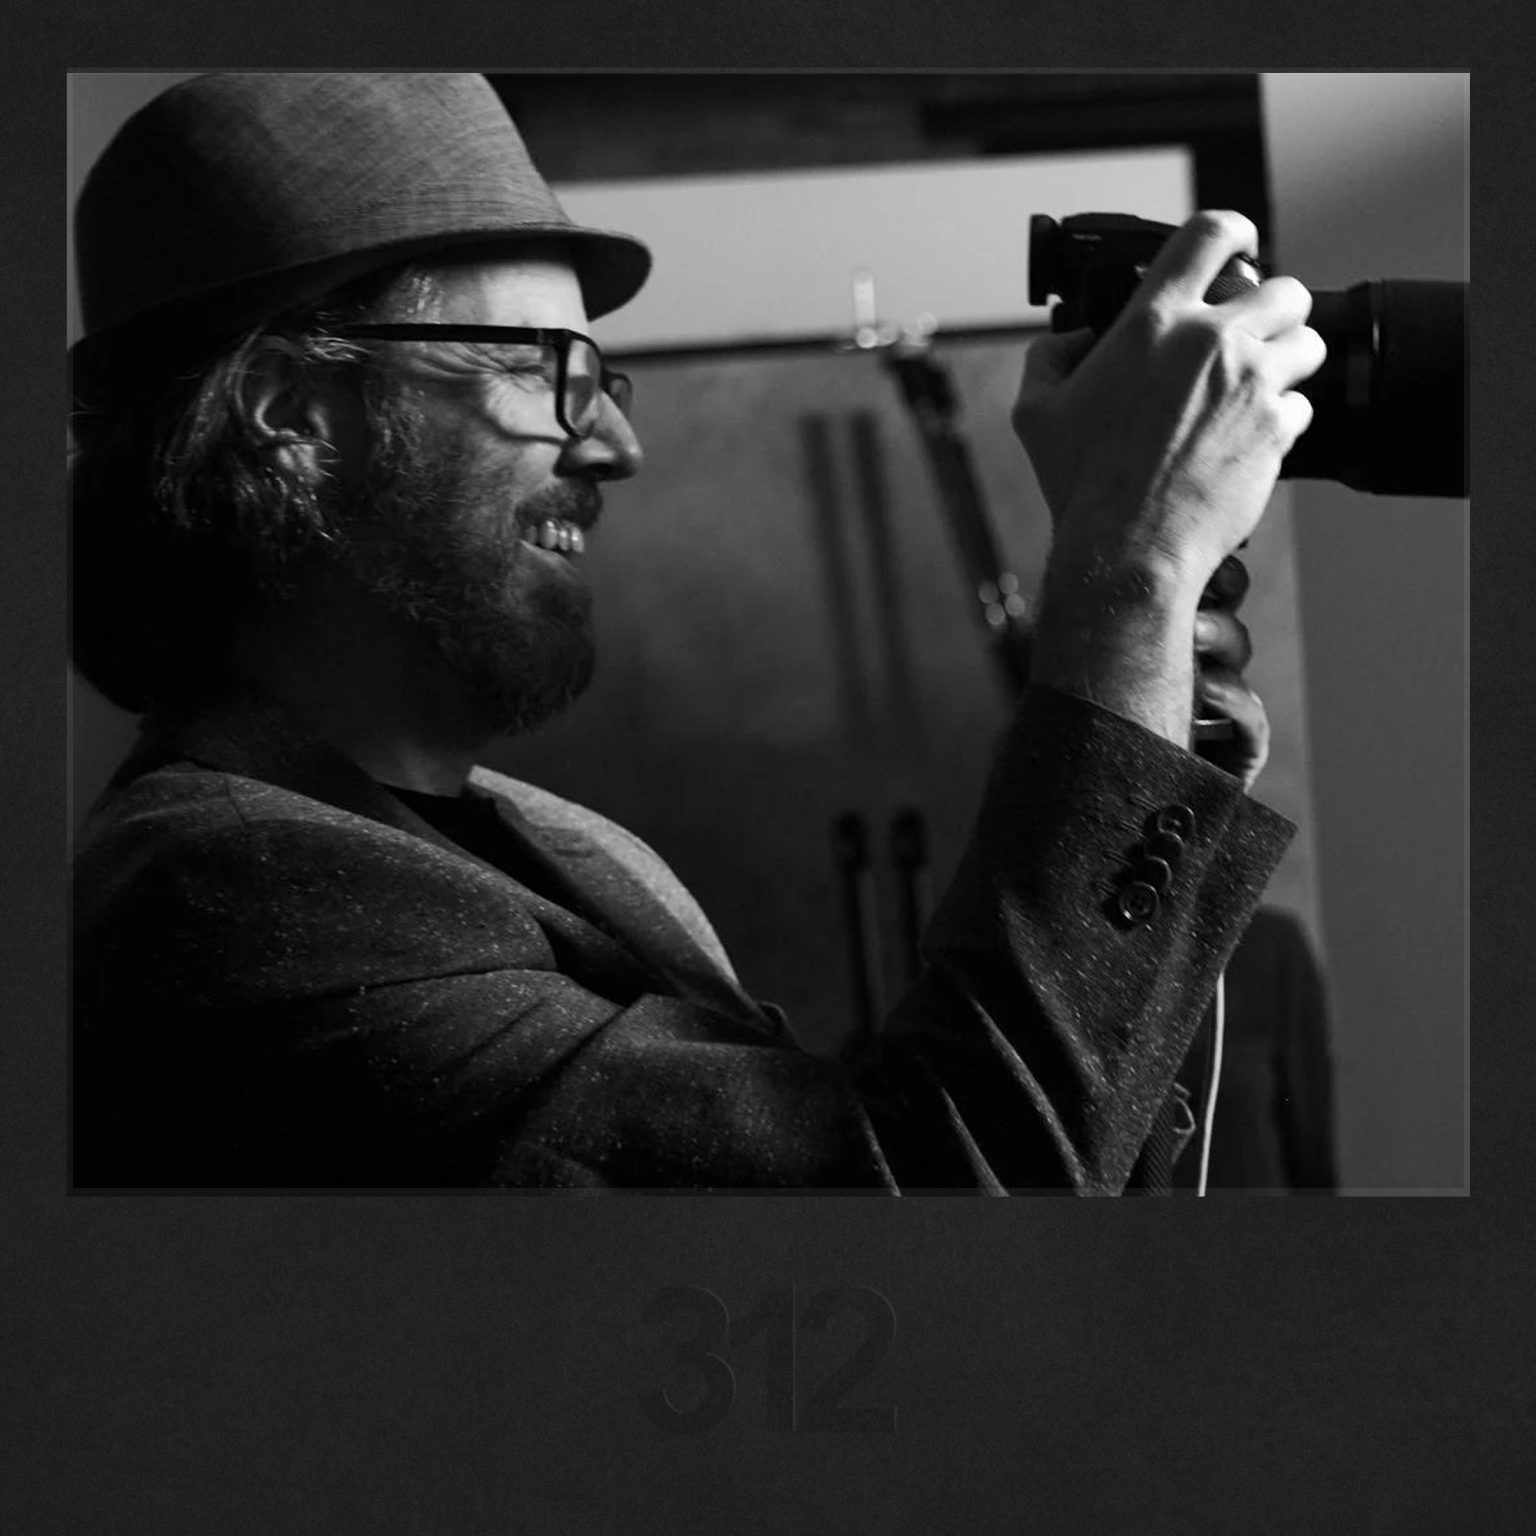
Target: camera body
{"x":1389,"y":404}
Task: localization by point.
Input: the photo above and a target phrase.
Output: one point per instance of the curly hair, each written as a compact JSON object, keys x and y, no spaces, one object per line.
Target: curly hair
{"x":184,"y":523}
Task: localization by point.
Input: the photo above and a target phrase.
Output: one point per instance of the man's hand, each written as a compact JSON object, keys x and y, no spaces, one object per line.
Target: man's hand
{"x":1157,"y":452}
{"x":1162,"y":443}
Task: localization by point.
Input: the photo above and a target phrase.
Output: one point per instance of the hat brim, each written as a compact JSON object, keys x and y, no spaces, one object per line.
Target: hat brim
{"x":610,"y":267}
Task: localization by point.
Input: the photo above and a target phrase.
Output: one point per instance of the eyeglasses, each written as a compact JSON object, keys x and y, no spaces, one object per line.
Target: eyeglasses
{"x":581,"y":378}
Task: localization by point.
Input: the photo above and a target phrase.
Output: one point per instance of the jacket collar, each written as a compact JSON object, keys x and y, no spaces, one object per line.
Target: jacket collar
{"x":246,"y":732}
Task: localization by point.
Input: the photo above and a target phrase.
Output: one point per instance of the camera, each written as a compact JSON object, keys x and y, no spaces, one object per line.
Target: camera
{"x":1389,"y":404}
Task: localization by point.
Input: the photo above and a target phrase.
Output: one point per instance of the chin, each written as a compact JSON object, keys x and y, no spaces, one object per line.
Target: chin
{"x":513,"y":697}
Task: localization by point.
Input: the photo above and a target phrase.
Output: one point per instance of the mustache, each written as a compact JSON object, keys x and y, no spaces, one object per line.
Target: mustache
{"x":574,"y":501}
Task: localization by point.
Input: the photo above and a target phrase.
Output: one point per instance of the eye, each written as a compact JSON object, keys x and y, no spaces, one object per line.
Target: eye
{"x":532,"y":369}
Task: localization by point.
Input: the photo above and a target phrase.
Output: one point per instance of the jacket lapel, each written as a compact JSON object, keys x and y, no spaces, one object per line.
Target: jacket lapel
{"x":600,"y":883}
{"x":619,"y":934}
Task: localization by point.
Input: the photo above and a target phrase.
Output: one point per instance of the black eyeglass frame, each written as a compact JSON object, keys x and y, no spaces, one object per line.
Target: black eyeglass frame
{"x":617,"y":386}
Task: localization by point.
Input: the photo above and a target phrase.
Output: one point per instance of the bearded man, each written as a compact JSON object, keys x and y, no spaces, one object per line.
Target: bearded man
{"x":341,"y":437}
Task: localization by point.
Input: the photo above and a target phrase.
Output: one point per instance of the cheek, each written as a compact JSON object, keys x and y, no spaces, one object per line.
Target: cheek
{"x":482,"y":482}
{"x":492,"y":488}
{"x":482,"y":456}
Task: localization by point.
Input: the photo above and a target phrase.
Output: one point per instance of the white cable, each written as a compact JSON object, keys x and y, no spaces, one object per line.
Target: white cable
{"x":1210,"y":1097}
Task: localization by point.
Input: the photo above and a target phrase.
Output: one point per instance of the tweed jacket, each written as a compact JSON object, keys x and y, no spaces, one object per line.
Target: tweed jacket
{"x":286,"y":978}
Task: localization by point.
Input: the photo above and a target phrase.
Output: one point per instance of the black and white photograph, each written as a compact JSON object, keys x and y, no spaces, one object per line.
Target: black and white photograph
{"x":778,"y":652}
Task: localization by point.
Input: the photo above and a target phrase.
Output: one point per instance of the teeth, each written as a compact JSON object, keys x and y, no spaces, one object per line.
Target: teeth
{"x":557,"y":534}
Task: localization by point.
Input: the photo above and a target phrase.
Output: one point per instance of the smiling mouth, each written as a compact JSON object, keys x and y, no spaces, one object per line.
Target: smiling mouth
{"x":556,"y":534}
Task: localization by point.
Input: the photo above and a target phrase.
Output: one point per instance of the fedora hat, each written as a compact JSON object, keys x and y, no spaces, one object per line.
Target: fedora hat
{"x":231,"y":198}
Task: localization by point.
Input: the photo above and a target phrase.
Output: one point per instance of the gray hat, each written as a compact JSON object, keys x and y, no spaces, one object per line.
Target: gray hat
{"x":233,"y":197}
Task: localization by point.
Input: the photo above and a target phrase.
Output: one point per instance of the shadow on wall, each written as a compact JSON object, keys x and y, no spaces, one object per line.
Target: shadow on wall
{"x":99,"y":738}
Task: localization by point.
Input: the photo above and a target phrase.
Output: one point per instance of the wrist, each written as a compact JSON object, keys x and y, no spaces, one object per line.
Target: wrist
{"x":1138,"y":587}
{"x":1120,"y":633}
{"x":1138,"y":563}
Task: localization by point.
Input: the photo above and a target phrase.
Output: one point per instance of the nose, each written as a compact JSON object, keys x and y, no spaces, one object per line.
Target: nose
{"x":612,"y":452}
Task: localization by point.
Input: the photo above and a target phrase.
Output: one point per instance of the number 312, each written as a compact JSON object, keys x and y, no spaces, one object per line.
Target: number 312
{"x":774,"y":1317}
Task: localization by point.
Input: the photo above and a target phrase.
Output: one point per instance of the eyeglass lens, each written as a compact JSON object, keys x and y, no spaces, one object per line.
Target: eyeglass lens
{"x":586,"y":381}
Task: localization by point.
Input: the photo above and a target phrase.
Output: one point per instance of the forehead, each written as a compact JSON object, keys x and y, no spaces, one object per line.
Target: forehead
{"x":533,"y":286}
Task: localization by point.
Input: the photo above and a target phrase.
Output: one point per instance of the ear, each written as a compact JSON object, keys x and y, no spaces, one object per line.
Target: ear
{"x":291,"y":409}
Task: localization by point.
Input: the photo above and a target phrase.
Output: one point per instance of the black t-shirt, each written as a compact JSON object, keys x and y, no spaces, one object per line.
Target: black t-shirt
{"x":472,"y":820}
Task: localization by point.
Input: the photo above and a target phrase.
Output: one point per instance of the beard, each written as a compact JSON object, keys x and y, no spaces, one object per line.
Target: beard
{"x":434,"y":541}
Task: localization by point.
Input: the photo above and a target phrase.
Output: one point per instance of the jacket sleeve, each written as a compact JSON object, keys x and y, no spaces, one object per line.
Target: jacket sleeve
{"x":1062,"y":988}
{"x":269,"y":999}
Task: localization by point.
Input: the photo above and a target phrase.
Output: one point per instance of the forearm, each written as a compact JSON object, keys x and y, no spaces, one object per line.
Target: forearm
{"x":1156,"y":447}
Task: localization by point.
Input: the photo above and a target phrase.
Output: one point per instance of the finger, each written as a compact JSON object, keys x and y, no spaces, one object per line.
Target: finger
{"x":1294,"y":356}
{"x":1273,"y":307}
{"x":1223,"y":694}
{"x":1222,"y":642}
{"x":1293,"y":413}
{"x":1195,"y":253}
{"x":1224,"y":688}
{"x":1053,"y":357}
{"x":1228,"y":585}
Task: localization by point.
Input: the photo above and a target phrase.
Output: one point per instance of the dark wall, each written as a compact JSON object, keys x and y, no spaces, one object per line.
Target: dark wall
{"x":610,"y":127}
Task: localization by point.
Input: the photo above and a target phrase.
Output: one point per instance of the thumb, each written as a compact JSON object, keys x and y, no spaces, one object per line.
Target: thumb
{"x":1053,"y":357}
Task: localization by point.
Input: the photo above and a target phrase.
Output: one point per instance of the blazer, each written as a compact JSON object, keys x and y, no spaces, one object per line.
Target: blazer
{"x":285,"y":978}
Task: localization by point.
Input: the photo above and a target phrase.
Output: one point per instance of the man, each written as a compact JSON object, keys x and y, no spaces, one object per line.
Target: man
{"x":341,"y":441}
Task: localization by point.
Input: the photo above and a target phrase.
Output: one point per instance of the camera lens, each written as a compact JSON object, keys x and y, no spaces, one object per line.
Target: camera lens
{"x":1389,"y":404}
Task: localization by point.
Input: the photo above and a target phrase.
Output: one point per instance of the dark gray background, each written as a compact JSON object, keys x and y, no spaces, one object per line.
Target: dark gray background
{"x":187,"y":1365}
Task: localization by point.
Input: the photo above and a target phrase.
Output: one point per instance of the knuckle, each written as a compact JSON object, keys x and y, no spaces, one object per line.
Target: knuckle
{"x":1271,"y":421}
{"x":1287,"y":412}
{"x":1294,"y":295}
{"x":1301,"y":412}
{"x":1226,"y":222}
{"x":1239,"y":353}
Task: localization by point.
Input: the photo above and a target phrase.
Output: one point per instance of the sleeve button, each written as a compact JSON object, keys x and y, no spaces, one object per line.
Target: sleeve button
{"x":1176,"y":819}
{"x":1164,"y":845}
{"x":1138,"y":902}
{"x":1158,"y":873}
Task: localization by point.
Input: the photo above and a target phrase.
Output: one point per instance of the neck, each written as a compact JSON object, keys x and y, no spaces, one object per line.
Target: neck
{"x":363,"y":686}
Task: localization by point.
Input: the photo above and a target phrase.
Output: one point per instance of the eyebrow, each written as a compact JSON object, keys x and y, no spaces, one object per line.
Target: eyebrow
{"x":496,"y":347}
